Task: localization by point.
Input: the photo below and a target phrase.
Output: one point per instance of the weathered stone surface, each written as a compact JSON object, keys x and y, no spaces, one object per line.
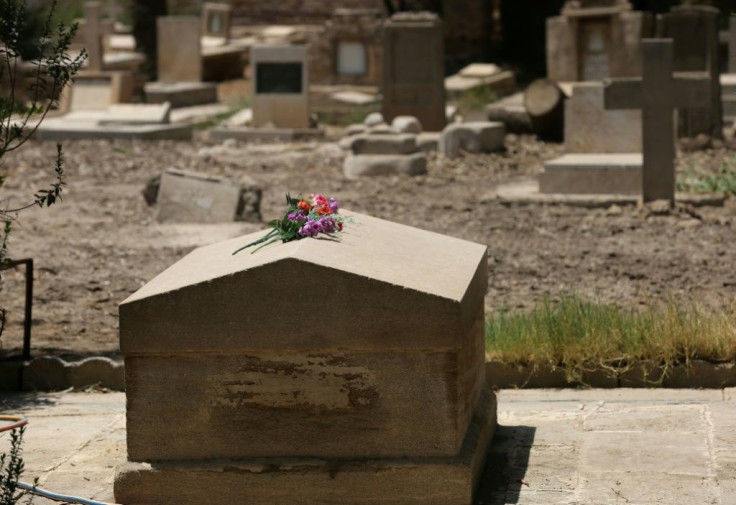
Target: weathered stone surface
{"x":406,"y":124}
{"x":590,"y":128}
{"x":364,"y":165}
{"x":384,"y":144}
{"x":433,"y":481}
{"x":593,"y":174}
{"x":355,"y":129}
{"x":477,"y":137}
{"x":374,"y":119}
{"x":413,"y":69}
{"x":137,"y":113}
{"x":179,"y":49}
{"x":428,"y":141}
{"x":185,"y":196}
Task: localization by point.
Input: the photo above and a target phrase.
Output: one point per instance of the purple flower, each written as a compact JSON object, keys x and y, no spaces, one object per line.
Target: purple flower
{"x":334,"y":205}
{"x":328,"y":224}
{"x":297,"y":216}
{"x":310,"y":229}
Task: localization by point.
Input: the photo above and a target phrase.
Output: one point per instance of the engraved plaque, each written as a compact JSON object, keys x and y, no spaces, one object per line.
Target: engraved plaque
{"x":279,"y":78}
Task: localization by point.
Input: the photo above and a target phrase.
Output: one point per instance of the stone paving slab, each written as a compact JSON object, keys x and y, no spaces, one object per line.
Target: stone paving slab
{"x":613,"y":446}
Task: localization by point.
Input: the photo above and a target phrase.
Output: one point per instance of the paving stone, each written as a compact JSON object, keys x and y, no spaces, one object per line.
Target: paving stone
{"x":648,"y":487}
{"x":384,"y":144}
{"x":680,"y":418}
{"x":666,"y":452}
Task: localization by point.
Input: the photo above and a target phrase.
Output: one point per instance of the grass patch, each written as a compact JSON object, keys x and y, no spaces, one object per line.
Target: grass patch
{"x":475,"y":98}
{"x":579,"y":335}
{"x":703,"y":181}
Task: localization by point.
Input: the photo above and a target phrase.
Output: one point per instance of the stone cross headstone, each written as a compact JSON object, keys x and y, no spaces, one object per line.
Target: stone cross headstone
{"x":658,"y":93}
{"x":414,"y":69}
{"x":95,"y":29}
{"x":694,"y":30}
{"x":368,"y":389}
{"x":179,"y":49}
{"x":280,"y":86}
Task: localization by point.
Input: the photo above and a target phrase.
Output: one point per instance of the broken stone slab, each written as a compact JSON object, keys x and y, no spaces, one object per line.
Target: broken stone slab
{"x":243,"y":117}
{"x":480,"y":70}
{"x":364,"y":165}
{"x":181,"y":94}
{"x":589,"y":174}
{"x":192,"y":197}
{"x":137,"y":114}
{"x":384,"y":144}
{"x":381,"y":129}
{"x":476,"y":137}
{"x":406,"y":124}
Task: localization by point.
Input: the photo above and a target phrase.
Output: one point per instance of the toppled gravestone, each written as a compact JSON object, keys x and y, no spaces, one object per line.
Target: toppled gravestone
{"x":475,"y":137}
{"x":191,"y":197}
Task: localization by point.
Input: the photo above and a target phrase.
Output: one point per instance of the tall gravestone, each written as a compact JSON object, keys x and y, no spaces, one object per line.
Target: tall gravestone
{"x":216,"y":21}
{"x":413,"y":69}
{"x":694,"y":30}
{"x":658,"y":93}
{"x":596,"y":39}
{"x":95,"y":29}
{"x":179,"y":49}
{"x":315,"y":371}
{"x":280,"y":86}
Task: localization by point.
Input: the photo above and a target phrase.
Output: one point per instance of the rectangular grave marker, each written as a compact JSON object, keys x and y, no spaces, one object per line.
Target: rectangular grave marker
{"x":95,"y":29}
{"x":658,"y":93}
{"x":216,"y":20}
{"x":281,"y":92}
{"x":179,"y":49}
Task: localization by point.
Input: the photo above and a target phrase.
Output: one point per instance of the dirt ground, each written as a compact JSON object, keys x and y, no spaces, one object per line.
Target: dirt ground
{"x":103,"y":243}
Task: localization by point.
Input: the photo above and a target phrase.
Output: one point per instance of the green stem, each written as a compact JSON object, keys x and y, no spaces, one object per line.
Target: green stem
{"x":262,"y":239}
{"x":264,"y":245}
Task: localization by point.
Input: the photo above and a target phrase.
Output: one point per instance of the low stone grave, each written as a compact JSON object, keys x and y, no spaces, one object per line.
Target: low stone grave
{"x":366,"y":385}
{"x":96,"y":109}
{"x":473,"y":137}
{"x":192,"y":197}
{"x":603,"y":148}
{"x":379,"y":149}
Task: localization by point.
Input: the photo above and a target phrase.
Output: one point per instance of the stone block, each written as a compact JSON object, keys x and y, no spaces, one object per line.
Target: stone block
{"x":355,"y":129}
{"x":477,"y":137}
{"x":406,"y":124}
{"x":192,"y":197}
{"x":428,"y":141}
{"x":374,"y":119}
{"x":406,"y":481}
{"x":593,"y":174}
{"x":384,"y":144}
{"x":589,"y":128}
{"x":365,"y":165}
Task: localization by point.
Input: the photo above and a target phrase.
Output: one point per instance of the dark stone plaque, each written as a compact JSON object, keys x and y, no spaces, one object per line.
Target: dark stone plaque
{"x":279,"y":78}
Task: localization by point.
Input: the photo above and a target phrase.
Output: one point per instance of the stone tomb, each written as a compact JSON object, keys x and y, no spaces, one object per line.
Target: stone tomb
{"x":414,"y":69}
{"x":348,"y":49}
{"x":694,"y":30}
{"x":365,"y":387}
{"x":603,"y":148}
{"x":180,"y":64}
{"x":280,"y":86}
{"x":595,"y":39}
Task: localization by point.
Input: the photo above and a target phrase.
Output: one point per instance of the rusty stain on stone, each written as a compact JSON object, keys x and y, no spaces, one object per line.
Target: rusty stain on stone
{"x":312,"y":382}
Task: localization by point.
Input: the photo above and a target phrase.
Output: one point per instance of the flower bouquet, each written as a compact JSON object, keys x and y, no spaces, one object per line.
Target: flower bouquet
{"x":304,"y":217}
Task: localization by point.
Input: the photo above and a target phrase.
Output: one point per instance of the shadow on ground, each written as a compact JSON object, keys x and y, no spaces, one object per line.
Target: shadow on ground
{"x":508,"y":459}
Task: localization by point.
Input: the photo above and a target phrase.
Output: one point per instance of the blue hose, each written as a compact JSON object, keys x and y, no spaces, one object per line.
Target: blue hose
{"x":57,"y":497}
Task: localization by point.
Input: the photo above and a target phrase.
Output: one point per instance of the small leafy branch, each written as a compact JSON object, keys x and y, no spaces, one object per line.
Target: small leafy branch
{"x":11,"y":469}
{"x":41,"y":59}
